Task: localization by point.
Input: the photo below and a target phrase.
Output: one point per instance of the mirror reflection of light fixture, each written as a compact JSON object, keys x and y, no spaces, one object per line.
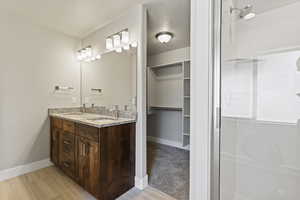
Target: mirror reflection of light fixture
{"x":86,"y":54}
{"x":119,"y":50}
{"x":164,"y":37}
{"x":98,"y":57}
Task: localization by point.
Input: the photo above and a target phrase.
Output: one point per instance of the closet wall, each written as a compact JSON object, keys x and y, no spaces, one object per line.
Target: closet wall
{"x":166,"y":97}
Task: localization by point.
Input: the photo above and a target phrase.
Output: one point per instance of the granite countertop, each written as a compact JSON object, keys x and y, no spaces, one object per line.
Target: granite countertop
{"x":91,"y":119}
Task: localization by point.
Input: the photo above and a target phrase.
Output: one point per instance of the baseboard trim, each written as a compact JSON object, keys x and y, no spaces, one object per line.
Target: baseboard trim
{"x":24,"y":169}
{"x":166,"y":142}
{"x":141,"y":183}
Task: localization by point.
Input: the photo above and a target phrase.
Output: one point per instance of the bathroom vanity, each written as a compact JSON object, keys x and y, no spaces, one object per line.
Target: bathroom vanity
{"x":97,"y":152}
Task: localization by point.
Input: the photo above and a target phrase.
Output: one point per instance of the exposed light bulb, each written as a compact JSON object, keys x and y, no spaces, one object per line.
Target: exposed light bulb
{"x":126,"y":47}
{"x":119,"y":50}
{"x":109,"y":44}
{"x":117,"y":41}
{"x":134,"y":44}
{"x":98,"y":56}
{"x":125,"y":37}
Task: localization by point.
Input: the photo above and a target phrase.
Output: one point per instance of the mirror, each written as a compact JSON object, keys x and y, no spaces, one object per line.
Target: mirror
{"x":110,"y":80}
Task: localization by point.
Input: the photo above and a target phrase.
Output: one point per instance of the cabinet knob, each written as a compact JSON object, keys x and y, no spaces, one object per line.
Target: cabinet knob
{"x":66,"y":164}
{"x":66,"y":142}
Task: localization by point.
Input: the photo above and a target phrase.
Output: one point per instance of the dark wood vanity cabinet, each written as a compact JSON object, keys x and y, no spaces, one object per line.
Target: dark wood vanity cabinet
{"x":102,"y":161}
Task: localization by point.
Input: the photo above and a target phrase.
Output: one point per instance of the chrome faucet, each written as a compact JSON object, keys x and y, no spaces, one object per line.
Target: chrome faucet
{"x":116,"y":112}
{"x":83,"y":109}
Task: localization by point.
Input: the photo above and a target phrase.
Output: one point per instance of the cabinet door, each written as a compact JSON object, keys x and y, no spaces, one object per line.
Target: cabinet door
{"x":88,"y":165}
{"x":117,"y":147}
{"x":55,"y":145}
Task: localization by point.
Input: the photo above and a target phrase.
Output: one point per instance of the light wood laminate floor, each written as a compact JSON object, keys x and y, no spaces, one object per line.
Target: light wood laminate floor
{"x":51,"y":184}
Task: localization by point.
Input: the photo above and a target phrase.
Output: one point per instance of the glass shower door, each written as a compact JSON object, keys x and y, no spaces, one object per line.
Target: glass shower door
{"x":260,"y":100}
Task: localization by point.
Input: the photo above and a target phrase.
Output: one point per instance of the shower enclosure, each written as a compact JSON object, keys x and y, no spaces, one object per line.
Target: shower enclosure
{"x":257,"y":100}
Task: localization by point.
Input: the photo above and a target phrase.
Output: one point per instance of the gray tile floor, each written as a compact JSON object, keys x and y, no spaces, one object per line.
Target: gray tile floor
{"x":168,"y":170}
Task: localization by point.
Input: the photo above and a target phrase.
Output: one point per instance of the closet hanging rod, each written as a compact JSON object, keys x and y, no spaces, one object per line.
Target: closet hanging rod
{"x":165,"y":108}
{"x":167,"y":65}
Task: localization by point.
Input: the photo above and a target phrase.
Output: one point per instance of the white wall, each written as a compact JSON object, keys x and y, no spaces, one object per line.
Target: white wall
{"x":33,"y":60}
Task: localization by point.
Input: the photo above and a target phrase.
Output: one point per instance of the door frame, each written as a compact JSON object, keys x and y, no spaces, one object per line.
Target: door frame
{"x":205,"y":101}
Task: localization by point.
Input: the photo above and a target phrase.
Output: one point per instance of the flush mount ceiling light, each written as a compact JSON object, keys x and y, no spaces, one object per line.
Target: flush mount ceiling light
{"x":164,"y":37}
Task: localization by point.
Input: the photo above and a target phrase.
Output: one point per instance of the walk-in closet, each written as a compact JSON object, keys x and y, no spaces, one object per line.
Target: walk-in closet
{"x":169,"y":103}
{"x":168,"y":97}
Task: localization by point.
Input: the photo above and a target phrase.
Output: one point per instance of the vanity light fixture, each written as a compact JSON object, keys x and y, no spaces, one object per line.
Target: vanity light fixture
{"x":118,"y":41}
{"x":164,"y":37}
{"x":125,"y":37}
{"x":109,"y":44}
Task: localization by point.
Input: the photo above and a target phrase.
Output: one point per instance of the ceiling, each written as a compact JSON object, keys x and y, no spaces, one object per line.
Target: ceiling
{"x":261,"y":6}
{"x":72,"y":17}
{"x":172,"y":16}
{"x":77,"y":18}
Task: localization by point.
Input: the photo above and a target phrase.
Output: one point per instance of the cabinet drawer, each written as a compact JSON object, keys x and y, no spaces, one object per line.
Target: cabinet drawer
{"x":69,"y":126}
{"x":56,"y":123}
{"x":67,"y":165}
{"x":67,"y":144}
{"x":91,"y":133}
